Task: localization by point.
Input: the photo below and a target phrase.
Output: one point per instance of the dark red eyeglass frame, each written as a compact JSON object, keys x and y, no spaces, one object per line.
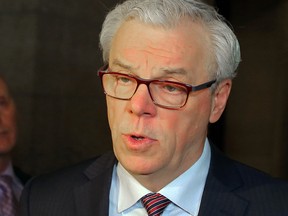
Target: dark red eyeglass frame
{"x":104,"y":70}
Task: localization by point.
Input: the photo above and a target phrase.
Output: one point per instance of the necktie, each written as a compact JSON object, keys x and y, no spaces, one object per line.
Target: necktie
{"x":155,"y":203}
{"x":7,"y":202}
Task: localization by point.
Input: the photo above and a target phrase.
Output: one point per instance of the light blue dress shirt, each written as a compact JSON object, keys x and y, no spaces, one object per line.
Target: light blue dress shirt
{"x":185,"y":191}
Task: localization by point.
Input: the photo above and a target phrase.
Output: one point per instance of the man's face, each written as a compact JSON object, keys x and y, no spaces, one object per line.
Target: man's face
{"x":149,"y":140}
{"x":7,"y":120}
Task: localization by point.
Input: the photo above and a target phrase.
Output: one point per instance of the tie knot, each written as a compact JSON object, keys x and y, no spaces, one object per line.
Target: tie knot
{"x":155,"y":203}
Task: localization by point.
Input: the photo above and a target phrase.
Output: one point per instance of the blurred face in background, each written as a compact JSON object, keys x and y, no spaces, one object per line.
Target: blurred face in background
{"x":7,"y":120}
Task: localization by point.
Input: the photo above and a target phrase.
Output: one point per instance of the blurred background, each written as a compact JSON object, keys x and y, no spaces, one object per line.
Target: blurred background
{"x":49,"y":55}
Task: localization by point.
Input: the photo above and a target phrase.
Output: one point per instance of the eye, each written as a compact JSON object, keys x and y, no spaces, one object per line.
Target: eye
{"x":172,"y":88}
{"x":123,"y":79}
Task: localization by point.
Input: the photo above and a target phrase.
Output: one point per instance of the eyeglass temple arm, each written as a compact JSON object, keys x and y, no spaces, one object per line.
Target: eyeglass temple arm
{"x":203,"y":86}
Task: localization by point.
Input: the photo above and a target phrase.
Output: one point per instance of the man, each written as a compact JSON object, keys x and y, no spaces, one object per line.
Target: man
{"x":10,"y":177}
{"x":168,"y":74}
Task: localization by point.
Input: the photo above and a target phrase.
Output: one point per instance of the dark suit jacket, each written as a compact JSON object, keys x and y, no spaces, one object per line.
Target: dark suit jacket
{"x":232,"y":189}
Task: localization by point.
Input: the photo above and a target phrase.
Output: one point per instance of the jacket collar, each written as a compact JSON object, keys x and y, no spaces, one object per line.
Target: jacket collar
{"x":92,"y":198}
{"x":219,"y":197}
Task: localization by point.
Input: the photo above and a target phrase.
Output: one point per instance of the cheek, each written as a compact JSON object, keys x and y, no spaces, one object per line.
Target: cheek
{"x":112,"y":114}
{"x":171,"y":129}
{"x":115,"y":112}
{"x":9,"y":120}
{"x":200,"y":109}
{"x":194,"y":120}
{"x":111,"y":111}
{"x":8,"y":140}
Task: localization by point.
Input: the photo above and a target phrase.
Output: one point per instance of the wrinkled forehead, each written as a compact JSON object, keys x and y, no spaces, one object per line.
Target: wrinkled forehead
{"x":188,"y":43}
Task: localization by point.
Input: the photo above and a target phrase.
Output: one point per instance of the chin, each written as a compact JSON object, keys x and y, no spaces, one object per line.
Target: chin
{"x":138,"y":167}
{"x":5,"y":148}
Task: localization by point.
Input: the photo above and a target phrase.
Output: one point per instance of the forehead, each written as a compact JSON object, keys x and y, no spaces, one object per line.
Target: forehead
{"x":143,"y":45}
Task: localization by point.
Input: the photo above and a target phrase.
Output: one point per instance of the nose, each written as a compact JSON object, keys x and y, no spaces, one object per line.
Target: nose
{"x":141,"y":102}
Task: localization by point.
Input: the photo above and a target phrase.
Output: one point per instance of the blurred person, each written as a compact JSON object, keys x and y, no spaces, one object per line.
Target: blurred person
{"x":168,"y":73}
{"x":12,"y":179}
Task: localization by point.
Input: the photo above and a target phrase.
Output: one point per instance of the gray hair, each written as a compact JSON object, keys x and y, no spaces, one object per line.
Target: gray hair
{"x":167,"y":14}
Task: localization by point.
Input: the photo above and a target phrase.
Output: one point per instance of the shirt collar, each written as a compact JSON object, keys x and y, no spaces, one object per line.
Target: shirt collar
{"x":129,"y":188}
{"x":181,"y":191}
{"x":9,"y":171}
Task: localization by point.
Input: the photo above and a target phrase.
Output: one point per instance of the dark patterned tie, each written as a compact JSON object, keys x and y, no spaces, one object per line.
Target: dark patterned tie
{"x":7,"y":202}
{"x":155,"y":203}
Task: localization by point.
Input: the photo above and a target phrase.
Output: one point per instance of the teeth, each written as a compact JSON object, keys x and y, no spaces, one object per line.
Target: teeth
{"x":137,"y":138}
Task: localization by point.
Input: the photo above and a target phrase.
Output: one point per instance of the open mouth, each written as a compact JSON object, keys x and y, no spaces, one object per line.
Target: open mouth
{"x":137,"y":137}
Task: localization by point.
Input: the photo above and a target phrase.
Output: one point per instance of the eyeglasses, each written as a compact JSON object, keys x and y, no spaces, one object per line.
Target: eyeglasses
{"x":166,"y":94}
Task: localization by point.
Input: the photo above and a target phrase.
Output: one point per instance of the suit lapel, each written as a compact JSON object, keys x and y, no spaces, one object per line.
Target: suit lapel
{"x":219,"y":197}
{"x":92,"y":198}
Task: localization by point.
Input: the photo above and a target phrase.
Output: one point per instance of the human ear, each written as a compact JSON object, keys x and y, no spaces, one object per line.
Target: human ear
{"x":219,"y":99}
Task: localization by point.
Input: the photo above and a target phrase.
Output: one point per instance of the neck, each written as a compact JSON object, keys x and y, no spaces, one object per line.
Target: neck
{"x":4,"y":162}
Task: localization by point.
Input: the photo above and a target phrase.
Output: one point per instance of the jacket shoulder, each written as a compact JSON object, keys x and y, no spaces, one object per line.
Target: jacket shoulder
{"x":77,"y":173}
{"x":239,"y":189}
{"x":55,"y":192}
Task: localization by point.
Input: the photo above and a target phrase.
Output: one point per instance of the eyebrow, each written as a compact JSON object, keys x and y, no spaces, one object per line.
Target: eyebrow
{"x":117,"y":62}
{"x":164,"y":70}
{"x":174,"y":71}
